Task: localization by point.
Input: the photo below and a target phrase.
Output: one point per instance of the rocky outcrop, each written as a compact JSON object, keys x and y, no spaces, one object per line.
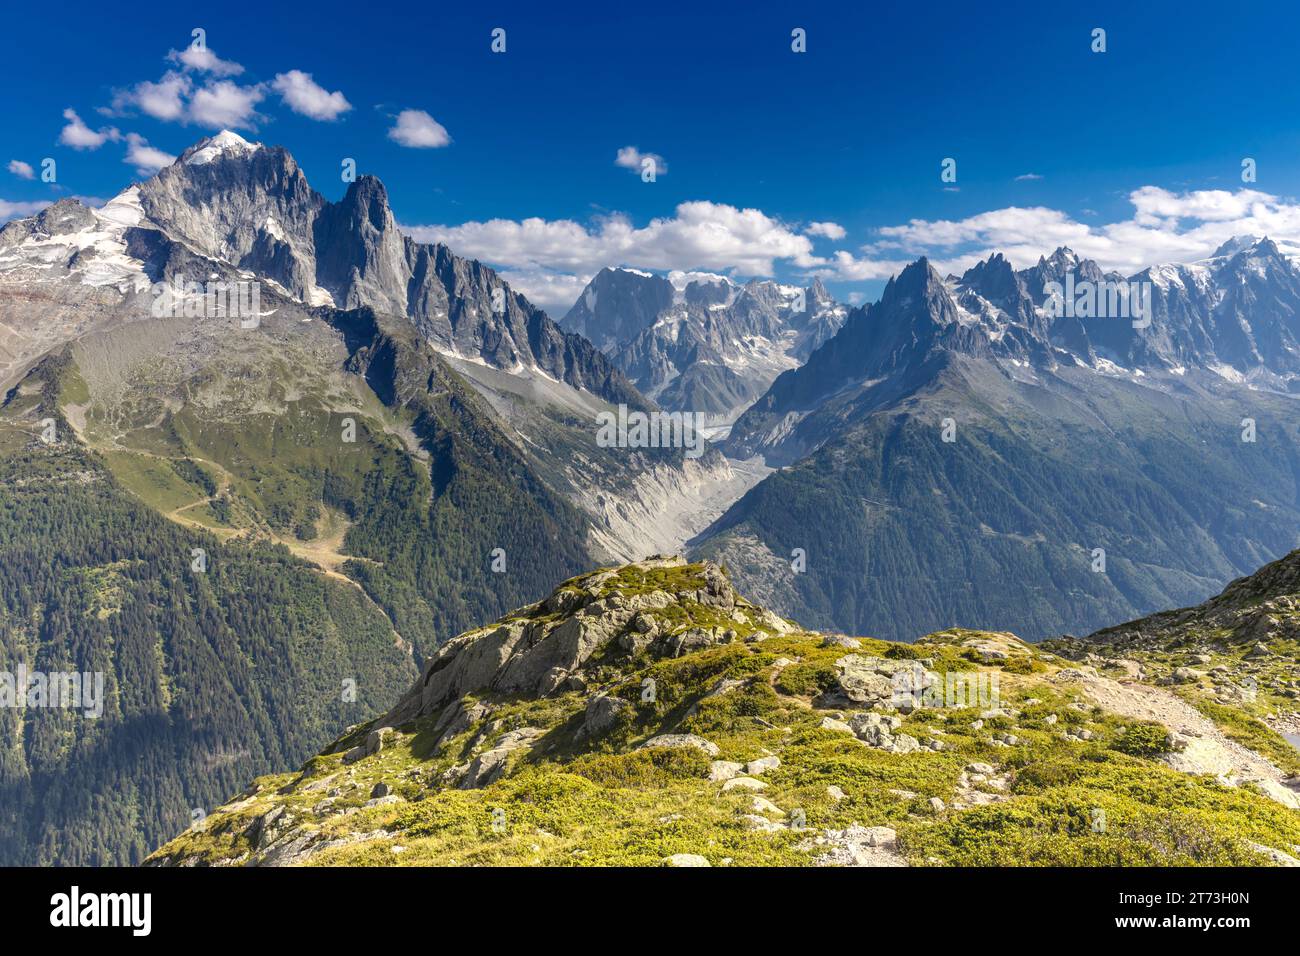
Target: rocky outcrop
{"x":533,"y":653}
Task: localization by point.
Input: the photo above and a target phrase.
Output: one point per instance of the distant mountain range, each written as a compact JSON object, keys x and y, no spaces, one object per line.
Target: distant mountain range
{"x":710,"y":347}
{"x":961,"y":448}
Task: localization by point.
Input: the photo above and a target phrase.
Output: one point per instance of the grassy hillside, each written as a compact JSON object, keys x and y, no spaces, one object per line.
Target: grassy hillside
{"x":687,"y":726}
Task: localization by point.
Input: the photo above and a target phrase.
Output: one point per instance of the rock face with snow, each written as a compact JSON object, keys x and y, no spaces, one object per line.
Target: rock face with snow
{"x":981,"y":447}
{"x":250,"y":207}
{"x":709,"y":347}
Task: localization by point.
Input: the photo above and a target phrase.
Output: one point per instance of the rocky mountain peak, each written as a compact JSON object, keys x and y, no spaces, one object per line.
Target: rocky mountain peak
{"x":226,"y":144}
{"x":994,"y":278}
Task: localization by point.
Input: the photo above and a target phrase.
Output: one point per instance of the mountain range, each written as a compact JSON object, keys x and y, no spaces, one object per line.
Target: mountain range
{"x":391,"y":423}
{"x":711,"y":347}
{"x":265,"y":456}
{"x":967,"y":450}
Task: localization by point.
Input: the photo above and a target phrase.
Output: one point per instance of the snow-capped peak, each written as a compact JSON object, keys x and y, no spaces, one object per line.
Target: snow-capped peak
{"x":209,"y":149}
{"x":1234,"y":245}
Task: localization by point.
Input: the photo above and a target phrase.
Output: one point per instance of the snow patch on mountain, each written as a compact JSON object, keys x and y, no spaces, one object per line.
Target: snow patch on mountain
{"x":214,"y":147}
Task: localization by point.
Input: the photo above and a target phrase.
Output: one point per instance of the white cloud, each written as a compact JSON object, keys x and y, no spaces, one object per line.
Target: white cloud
{"x":701,"y":235}
{"x":19,"y":210}
{"x":554,"y":292}
{"x":226,"y":105}
{"x":80,"y":136}
{"x":306,"y":97}
{"x":552,"y":260}
{"x":21,"y":170}
{"x":847,"y":267}
{"x":1026,"y":177}
{"x":830,"y":230}
{"x":203,"y":60}
{"x":164,"y":100}
{"x":629,"y":157}
{"x":146,"y":159}
{"x":419,"y":130}
{"x":1164,"y":227}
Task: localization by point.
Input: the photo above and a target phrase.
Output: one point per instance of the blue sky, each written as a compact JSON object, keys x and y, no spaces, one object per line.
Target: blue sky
{"x":1132,"y":155}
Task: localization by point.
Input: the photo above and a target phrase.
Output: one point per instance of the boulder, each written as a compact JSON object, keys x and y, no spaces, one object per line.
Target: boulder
{"x":602,"y":714}
{"x":762,"y":765}
{"x":860,"y":682}
{"x":722,"y":770}
{"x":874,"y":729}
{"x":373,"y":743}
{"x":682,"y":740}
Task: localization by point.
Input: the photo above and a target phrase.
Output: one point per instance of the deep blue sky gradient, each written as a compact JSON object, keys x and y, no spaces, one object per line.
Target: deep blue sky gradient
{"x":853,"y":131}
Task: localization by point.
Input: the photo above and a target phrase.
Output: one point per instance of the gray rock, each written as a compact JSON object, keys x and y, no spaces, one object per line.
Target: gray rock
{"x":682,"y":740}
{"x":372,"y":745}
{"x":762,"y":765}
{"x":860,"y":682}
{"x":839,"y":640}
{"x":874,"y":729}
{"x":721,"y":770}
{"x":603,"y":713}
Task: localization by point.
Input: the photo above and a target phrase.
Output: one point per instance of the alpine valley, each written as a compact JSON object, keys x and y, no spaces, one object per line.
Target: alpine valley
{"x":267,"y":516}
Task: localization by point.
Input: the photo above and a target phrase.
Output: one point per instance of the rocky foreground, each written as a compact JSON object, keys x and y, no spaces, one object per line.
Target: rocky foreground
{"x":649,"y":715}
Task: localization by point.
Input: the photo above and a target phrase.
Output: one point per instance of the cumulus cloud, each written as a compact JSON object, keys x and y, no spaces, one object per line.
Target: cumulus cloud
{"x":164,"y":100}
{"x":555,"y":292}
{"x":629,"y":157}
{"x":306,"y":97}
{"x":554,"y":258}
{"x":701,"y":235}
{"x":213,"y":100}
{"x":419,"y":130}
{"x":1164,"y":227}
{"x":226,"y":105}
{"x":830,"y":230}
{"x":17,"y":210}
{"x":21,"y":170}
{"x":146,"y":159}
{"x":201,"y":59}
{"x":80,"y":136}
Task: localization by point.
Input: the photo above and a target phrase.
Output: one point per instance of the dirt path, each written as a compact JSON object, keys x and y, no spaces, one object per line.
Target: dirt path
{"x":1208,"y":749}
